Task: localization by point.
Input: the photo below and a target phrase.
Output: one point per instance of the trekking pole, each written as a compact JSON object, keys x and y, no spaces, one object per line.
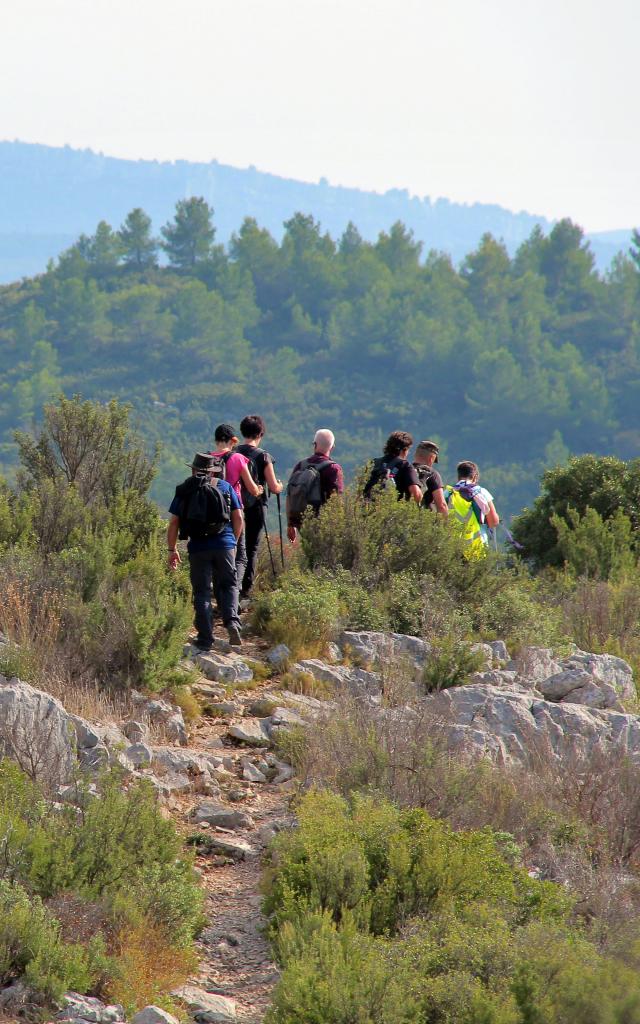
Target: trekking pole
{"x":266,"y":533}
{"x":280,"y":529}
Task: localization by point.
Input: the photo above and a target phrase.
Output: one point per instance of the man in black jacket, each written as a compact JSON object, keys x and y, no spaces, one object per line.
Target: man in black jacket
{"x":253,"y":430}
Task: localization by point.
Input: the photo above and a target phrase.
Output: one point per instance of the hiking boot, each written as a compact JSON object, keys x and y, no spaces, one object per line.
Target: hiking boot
{"x":235,"y":638}
{"x":202,"y":645}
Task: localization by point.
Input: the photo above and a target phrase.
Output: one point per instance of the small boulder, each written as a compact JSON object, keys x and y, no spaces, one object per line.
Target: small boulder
{"x":252,"y":731}
{"x":500,"y":652}
{"x":207,"y":1007}
{"x":153,"y":1015}
{"x":77,"y":1007}
{"x":279,"y":657}
{"x":534,"y":664}
{"x":139,"y":754}
{"x":252,"y":773}
{"x":223,"y":817}
{"x":223,"y":668}
{"x":135,"y":731}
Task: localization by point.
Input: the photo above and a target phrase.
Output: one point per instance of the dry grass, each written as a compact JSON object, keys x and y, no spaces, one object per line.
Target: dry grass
{"x":148,"y":967}
{"x":576,"y":822}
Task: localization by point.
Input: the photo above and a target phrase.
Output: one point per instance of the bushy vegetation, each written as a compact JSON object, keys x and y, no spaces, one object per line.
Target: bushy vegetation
{"x":82,"y":570}
{"x":512,"y":361}
{"x":386,"y":565}
{"x":121,"y":865}
{"x":389,"y":916}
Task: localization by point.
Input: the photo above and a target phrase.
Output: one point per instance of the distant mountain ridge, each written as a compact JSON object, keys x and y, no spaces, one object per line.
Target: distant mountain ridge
{"x":49,"y":195}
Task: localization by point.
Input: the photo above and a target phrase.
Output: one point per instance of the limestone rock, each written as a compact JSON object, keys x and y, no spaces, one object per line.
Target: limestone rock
{"x":485,"y":651}
{"x":153,"y":1015}
{"x":353,"y":680}
{"x":86,"y":1008}
{"x":510,"y":726}
{"x":87,"y":735}
{"x":370,"y":648}
{"x":139,"y":754}
{"x":575,"y":686}
{"x":161,"y":713}
{"x":500,"y":652}
{"x":223,"y":668}
{"x":217,"y":814}
{"x":535,"y":664}
{"x":278,"y":657}
{"x":283,"y":719}
{"x":135,"y":731}
{"x":189,"y":762}
{"x":252,"y":773}
{"x":252,"y":731}
{"x":35,"y":729}
{"x":206,"y":1007}
{"x":230,"y":846}
{"x":605,"y":668}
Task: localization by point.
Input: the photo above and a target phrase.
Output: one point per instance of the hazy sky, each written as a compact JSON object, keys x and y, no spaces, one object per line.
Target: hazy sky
{"x":532,"y":104}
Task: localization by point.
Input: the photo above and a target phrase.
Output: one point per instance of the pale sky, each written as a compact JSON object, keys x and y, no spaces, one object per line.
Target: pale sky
{"x":532,"y":104}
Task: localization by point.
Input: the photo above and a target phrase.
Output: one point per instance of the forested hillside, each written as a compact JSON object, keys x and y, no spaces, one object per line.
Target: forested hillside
{"x":511,"y":361}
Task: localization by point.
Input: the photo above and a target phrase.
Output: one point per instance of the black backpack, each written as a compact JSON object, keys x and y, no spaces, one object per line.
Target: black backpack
{"x":204,"y":510}
{"x":305,"y":486}
{"x":425,"y":475}
{"x":383,"y":475}
{"x":258,"y":461}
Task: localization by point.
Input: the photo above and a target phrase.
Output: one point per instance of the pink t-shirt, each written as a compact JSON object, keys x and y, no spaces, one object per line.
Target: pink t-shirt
{"x":233,"y":471}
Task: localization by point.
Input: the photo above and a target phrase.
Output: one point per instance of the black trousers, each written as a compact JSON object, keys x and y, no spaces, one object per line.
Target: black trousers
{"x":254,"y":518}
{"x":213,"y":573}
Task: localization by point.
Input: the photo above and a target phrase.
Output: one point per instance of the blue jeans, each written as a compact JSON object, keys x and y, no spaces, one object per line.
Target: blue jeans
{"x":213,"y":573}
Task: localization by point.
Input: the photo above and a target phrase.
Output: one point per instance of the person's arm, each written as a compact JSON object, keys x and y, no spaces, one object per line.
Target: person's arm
{"x":237,"y":522}
{"x":492,"y":518}
{"x":439,"y":502}
{"x":172,"y":540}
{"x":275,"y":486}
{"x":252,"y":487}
{"x":415,"y":493}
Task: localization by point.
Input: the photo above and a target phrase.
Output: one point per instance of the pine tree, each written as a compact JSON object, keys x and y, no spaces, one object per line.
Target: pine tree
{"x":139,"y":248}
{"x":189,"y":237}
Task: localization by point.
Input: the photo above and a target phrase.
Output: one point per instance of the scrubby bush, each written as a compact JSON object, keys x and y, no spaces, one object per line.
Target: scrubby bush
{"x":121,"y":860}
{"x":408,"y":921}
{"x":605,"y":485}
{"x":303,"y":612}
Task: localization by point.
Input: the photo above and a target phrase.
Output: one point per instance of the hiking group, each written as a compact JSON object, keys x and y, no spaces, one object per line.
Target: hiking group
{"x":221,"y":509}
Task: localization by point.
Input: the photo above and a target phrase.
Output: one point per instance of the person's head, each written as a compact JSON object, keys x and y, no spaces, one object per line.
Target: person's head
{"x":225,"y":436}
{"x":253,"y":428}
{"x":398,"y":444}
{"x":468,"y":471}
{"x":426,"y":453}
{"x":202,"y":464}
{"x":324,"y":441}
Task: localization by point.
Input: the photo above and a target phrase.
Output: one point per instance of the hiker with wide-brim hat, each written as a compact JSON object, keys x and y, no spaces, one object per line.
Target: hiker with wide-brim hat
{"x":261,"y":467}
{"x":426,"y":455}
{"x":207,"y":513}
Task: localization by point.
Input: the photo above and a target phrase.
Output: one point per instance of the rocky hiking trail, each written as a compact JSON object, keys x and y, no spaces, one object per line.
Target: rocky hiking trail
{"x":236,"y":961}
{"x":221,"y":780}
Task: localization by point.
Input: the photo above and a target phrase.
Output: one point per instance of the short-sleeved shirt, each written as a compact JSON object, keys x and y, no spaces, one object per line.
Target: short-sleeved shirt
{"x":431,"y":481}
{"x":331,"y":479}
{"x":261,"y":460}
{"x":405,"y":477}
{"x":226,"y":538}
{"x":233,"y":466}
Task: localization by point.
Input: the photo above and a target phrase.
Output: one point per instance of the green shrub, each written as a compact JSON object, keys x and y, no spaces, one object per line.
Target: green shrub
{"x":303,"y":612}
{"x":383,"y":916}
{"x":30,"y":945}
{"x":450,"y":663}
{"x":120,"y":855}
{"x":595,"y":547}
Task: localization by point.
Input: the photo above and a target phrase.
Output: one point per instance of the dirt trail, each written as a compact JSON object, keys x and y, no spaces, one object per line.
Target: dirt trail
{"x":235,"y":956}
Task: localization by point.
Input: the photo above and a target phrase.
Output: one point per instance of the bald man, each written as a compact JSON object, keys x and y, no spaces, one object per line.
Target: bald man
{"x":331,"y":479}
